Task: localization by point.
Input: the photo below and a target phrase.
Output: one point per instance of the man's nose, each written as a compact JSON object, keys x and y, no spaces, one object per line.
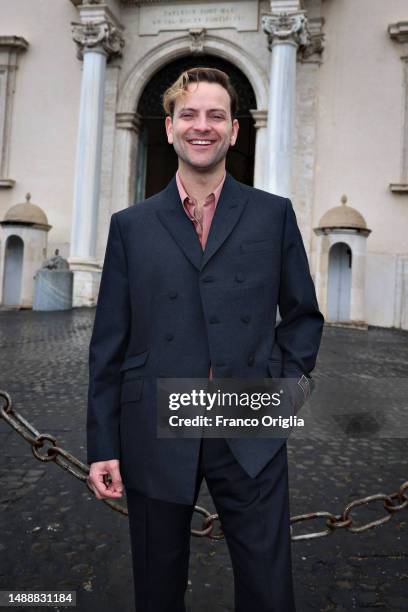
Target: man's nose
{"x":201,"y":123}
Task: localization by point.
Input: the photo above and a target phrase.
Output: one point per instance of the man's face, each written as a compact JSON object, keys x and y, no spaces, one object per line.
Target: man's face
{"x":202,"y":129}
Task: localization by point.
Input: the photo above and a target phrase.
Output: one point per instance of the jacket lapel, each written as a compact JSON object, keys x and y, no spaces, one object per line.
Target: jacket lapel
{"x":179,"y":225}
{"x":227,"y":213}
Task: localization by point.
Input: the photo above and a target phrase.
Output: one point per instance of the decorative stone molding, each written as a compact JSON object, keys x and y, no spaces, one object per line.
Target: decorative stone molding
{"x":284,"y":27}
{"x":401,"y":188}
{"x":197,"y":37}
{"x":84,"y":2}
{"x":260,"y":117}
{"x":10,"y":49}
{"x":286,"y":6}
{"x":141,"y":2}
{"x":100,"y":35}
{"x":13,"y":43}
{"x":399,"y":33}
{"x":129,"y":121}
{"x":312,"y":52}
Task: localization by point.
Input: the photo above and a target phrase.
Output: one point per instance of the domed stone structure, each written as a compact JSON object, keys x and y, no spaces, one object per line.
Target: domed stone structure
{"x":23,"y":232}
{"x":343,"y":217}
{"x":341,"y":264}
{"x":27,"y":213}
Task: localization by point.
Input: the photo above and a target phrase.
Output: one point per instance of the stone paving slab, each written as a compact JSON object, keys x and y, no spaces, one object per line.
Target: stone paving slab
{"x":55,"y":535}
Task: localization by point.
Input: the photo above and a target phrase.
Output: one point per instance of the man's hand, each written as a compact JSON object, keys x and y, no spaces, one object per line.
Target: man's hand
{"x":105,"y":479}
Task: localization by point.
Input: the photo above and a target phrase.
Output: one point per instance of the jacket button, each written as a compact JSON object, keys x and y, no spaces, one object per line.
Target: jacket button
{"x":207,"y":279}
{"x":246,"y":319}
{"x":172,"y":293}
{"x":169,"y":337}
{"x":251,"y":359}
{"x":220,"y":364}
{"x":214,"y":319}
{"x":239,"y":277}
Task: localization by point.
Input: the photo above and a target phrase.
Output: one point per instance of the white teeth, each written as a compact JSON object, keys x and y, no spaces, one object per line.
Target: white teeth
{"x":201,"y":142}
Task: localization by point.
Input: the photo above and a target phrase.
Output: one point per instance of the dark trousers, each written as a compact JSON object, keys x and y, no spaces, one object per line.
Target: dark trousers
{"x":254,"y":513}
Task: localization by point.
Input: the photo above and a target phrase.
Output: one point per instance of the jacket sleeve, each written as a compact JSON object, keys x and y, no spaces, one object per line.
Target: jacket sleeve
{"x":106,"y":352}
{"x":299,"y":332}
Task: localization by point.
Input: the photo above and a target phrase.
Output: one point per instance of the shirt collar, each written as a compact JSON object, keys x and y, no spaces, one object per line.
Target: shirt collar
{"x":183,"y":193}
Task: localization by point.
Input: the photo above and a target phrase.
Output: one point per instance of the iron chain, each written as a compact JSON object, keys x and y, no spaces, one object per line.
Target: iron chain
{"x":392,"y":503}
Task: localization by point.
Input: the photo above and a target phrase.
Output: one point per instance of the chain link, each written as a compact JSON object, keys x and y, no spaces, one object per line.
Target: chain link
{"x":392,"y":503}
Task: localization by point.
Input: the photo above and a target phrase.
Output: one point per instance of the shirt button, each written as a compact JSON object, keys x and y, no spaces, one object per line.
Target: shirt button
{"x":172,"y":293}
{"x":251,"y":359}
{"x":239,"y":277}
{"x":246,"y":319}
{"x":214,"y":319}
{"x":169,"y":337}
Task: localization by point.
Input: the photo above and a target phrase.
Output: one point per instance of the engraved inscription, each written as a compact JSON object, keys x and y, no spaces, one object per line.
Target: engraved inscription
{"x":239,"y":15}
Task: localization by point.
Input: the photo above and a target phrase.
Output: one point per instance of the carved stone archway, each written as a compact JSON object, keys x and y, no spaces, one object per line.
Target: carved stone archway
{"x":178,"y":47}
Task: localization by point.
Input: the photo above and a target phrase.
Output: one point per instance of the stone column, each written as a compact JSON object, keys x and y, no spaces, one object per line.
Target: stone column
{"x":261,"y":146}
{"x":287,"y":31}
{"x":98,"y":38}
{"x":399,"y":33}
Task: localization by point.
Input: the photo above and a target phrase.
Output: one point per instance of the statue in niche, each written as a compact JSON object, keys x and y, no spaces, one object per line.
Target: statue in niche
{"x":56,"y":262}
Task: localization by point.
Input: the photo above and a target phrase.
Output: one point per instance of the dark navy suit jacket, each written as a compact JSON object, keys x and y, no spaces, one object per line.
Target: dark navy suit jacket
{"x":168,"y":309}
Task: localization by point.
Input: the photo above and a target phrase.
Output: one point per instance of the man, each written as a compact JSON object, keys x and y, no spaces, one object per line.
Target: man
{"x":190,"y":287}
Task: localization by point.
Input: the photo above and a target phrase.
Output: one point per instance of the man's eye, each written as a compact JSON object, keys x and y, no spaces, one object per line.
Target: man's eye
{"x":218,"y":116}
{"x":186,"y":115}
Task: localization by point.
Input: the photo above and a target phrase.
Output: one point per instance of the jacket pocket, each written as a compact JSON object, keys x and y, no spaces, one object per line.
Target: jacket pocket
{"x":254,"y":246}
{"x":131,"y":390}
{"x":135,"y":361}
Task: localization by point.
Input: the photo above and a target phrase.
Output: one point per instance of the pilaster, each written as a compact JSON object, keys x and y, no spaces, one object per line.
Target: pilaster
{"x":399,"y":33}
{"x":10,"y":49}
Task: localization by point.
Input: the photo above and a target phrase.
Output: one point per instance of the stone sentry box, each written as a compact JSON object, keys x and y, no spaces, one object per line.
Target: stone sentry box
{"x":341,"y":264}
{"x":24,"y":231}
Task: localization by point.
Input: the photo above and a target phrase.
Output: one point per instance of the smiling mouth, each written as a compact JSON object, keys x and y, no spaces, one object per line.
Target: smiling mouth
{"x":200,"y":142}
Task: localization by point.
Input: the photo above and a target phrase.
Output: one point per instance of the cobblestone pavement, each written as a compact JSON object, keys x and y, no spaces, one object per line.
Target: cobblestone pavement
{"x":55,"y":535}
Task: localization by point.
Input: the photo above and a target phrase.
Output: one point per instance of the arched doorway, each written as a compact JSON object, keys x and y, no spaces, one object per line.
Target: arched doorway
{"x":13,"y":271}
{"x":339,"y":282}
{"x":157,"y":161}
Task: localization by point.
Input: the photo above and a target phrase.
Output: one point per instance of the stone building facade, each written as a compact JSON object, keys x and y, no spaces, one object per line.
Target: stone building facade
{"x":323,"y":88}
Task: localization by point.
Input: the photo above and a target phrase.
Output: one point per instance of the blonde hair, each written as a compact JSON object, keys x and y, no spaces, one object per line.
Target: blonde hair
{"x":197,"y":75}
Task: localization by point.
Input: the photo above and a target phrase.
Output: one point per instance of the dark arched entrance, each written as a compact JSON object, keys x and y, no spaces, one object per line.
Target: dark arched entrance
{"x":13,"y":271}
{"x":157,"y":161}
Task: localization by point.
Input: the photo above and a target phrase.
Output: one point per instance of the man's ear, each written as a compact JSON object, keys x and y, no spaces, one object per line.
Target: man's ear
{"x":234,"y":133}
{"x":169,"y":129}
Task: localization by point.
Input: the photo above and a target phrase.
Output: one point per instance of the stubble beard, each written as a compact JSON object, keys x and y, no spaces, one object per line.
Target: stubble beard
{"x":183,"y":155}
